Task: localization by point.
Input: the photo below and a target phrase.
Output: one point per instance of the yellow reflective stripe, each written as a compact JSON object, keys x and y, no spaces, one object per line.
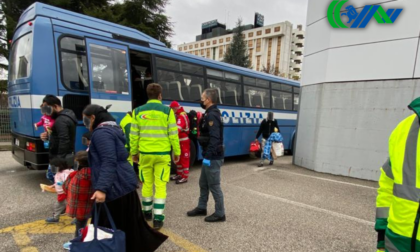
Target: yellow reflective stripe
{"x":134,"y":133}
{"x":389,"y":246}
{"x":153,"y":135}
{"x":382,"y":212}
{"x":153,"y":128}
{"x":172,"y":125}
{"x":407,"y":192}
{"x":409,"y":165}
{"x":387,"y":169}
{"x":171,"y":133}
{"x":134,"y":126}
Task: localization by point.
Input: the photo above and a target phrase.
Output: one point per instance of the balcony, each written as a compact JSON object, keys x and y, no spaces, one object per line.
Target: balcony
{"x":298,"y":50}
{"x":300,"y":34}
{"x":298,"y":58}
{"x":296,"y":66}
{"x":299,"y":42}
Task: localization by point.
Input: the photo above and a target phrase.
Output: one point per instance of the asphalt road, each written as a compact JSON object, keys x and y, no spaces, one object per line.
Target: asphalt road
{"x":274,"y":208}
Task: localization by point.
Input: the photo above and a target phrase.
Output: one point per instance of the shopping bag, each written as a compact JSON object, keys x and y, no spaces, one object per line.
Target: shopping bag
{"x":277,"y":150}
{"x":116,"y":242}
{"x":254,"y":149}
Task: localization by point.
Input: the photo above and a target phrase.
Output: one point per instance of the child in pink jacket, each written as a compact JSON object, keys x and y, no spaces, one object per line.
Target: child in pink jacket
{"x":46,"y":121}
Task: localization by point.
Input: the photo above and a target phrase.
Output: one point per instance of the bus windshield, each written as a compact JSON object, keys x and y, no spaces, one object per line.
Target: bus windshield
{"x":21,"y":58}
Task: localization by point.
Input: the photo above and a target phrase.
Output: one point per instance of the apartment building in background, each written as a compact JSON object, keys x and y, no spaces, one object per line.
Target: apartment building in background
{"x":277,"y":48}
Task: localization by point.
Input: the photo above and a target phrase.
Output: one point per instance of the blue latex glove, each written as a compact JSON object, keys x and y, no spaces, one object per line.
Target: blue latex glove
{"x":206,"y":162}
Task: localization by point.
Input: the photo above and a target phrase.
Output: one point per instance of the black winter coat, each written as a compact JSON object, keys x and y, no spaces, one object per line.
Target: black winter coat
{"x":63,"y":134}
{"x":266,"y":128}
{"x":111,"y":171}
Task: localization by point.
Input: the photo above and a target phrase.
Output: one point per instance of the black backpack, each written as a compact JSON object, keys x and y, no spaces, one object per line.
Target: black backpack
{"x":192,"y":117}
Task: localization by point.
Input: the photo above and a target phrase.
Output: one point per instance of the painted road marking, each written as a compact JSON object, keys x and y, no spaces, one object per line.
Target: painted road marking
{"x":302,"y":205}
{"x":22,"y":240}
{"x":324,"y":179}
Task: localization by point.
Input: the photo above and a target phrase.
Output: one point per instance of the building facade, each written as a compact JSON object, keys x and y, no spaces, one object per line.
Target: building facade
{"x":356,"y":86}
{"x":273,"y":48}
{"x":296,"y":56}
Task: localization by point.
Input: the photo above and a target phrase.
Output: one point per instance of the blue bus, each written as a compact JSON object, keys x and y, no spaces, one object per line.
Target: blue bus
{"x":84,"y":60}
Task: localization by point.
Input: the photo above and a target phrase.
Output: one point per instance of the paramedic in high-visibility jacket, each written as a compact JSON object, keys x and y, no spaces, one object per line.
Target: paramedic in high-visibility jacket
{"x":126,"y":127}
{"x":153,"y":133}
{"x":397,"y":203}
{"x":183,"y":123}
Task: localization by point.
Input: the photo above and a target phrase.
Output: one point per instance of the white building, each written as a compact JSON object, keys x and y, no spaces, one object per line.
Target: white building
{"x":296,"y":57}
{"x":356,"y":86}
{"x":270,"y":47}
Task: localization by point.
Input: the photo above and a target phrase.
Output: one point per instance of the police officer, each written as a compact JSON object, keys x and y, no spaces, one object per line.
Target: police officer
{"x":211,"y":140}
{"x":153,"y":133}
{"x":397,"y":203}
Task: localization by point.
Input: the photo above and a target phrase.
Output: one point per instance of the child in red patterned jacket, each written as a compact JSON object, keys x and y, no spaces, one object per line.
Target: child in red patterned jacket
{"x":78,"y":188}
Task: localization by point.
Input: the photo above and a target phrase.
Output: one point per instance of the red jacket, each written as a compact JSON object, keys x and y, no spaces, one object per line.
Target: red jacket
{"x":78,"y":188}
{"x":183,"y":124}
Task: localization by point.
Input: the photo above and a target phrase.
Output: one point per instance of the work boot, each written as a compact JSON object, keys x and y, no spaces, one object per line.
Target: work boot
{"x":182,"y":181}
{"x":271,"y":162}
{"x":148,"y":216}
{"x":176,"y":177}
{"x":214,"y":218}
{"x":197,"y":212}
{"x":157,"y":224}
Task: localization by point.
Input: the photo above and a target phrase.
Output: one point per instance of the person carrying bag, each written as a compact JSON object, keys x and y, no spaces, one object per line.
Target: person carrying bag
{"x":116,"y":242}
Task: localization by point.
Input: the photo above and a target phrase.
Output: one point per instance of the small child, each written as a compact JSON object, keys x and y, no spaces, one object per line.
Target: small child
{"x":78,"y":188}
{"x":63,"y":172}
{"x":86,"y":139}
{"x":46,"y":121}
{"x":274,"y":137}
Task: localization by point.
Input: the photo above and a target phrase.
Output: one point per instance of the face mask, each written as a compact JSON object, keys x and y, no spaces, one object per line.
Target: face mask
{"x":86,"y":122}
{"x":76,"y":165}
{"x":202,"y":105}
{"x":48,"y":110}
{"x":85,"y":141}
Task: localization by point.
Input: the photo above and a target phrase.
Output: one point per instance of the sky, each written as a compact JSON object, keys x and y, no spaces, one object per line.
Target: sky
{"x":188,"y":15}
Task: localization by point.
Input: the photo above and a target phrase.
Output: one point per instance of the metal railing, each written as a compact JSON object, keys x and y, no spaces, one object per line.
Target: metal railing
{"x":5,"y":135}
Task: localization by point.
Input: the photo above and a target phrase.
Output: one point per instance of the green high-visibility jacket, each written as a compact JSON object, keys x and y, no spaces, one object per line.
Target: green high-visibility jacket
{"x":126,"y":125}
{"x":154,"y":130}
{"x":397,"y":203}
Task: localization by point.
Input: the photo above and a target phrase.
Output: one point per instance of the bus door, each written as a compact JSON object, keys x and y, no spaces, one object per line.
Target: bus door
{"x":109,"y":76}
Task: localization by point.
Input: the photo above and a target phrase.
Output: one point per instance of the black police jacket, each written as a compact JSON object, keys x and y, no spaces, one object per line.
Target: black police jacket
{"x":211,"y":134}
{"x":63,"y":134}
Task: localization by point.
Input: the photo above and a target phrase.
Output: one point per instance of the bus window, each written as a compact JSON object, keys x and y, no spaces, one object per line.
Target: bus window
{"x":282,"y":100}
{"x":263,"y":83}
{"x":180,"y":87}
{"x":257,"y":97}
{"x":296,"y":94}
{"x":109,"y":70}
{"x":192,"y":69}
{"x":281,"y":87}
{"x":21,"y":58}
{"x":229,"y":93}
{"x":74,"y":71}
{"x":249,"y":81}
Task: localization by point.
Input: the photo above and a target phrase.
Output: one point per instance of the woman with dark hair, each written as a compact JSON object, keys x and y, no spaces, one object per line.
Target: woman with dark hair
{"x":114,"y":181}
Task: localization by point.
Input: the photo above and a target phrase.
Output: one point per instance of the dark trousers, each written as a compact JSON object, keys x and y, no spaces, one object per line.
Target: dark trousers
{"x":210,"y":182}
{"x":79,"y":225}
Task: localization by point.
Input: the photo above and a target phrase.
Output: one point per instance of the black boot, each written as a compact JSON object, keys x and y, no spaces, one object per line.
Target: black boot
{"x":197,"y":212}
{"x":157,"y":224}
{"x":271,"y":162}
{"x":148,"y":216}
{"x":214,"y":218}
